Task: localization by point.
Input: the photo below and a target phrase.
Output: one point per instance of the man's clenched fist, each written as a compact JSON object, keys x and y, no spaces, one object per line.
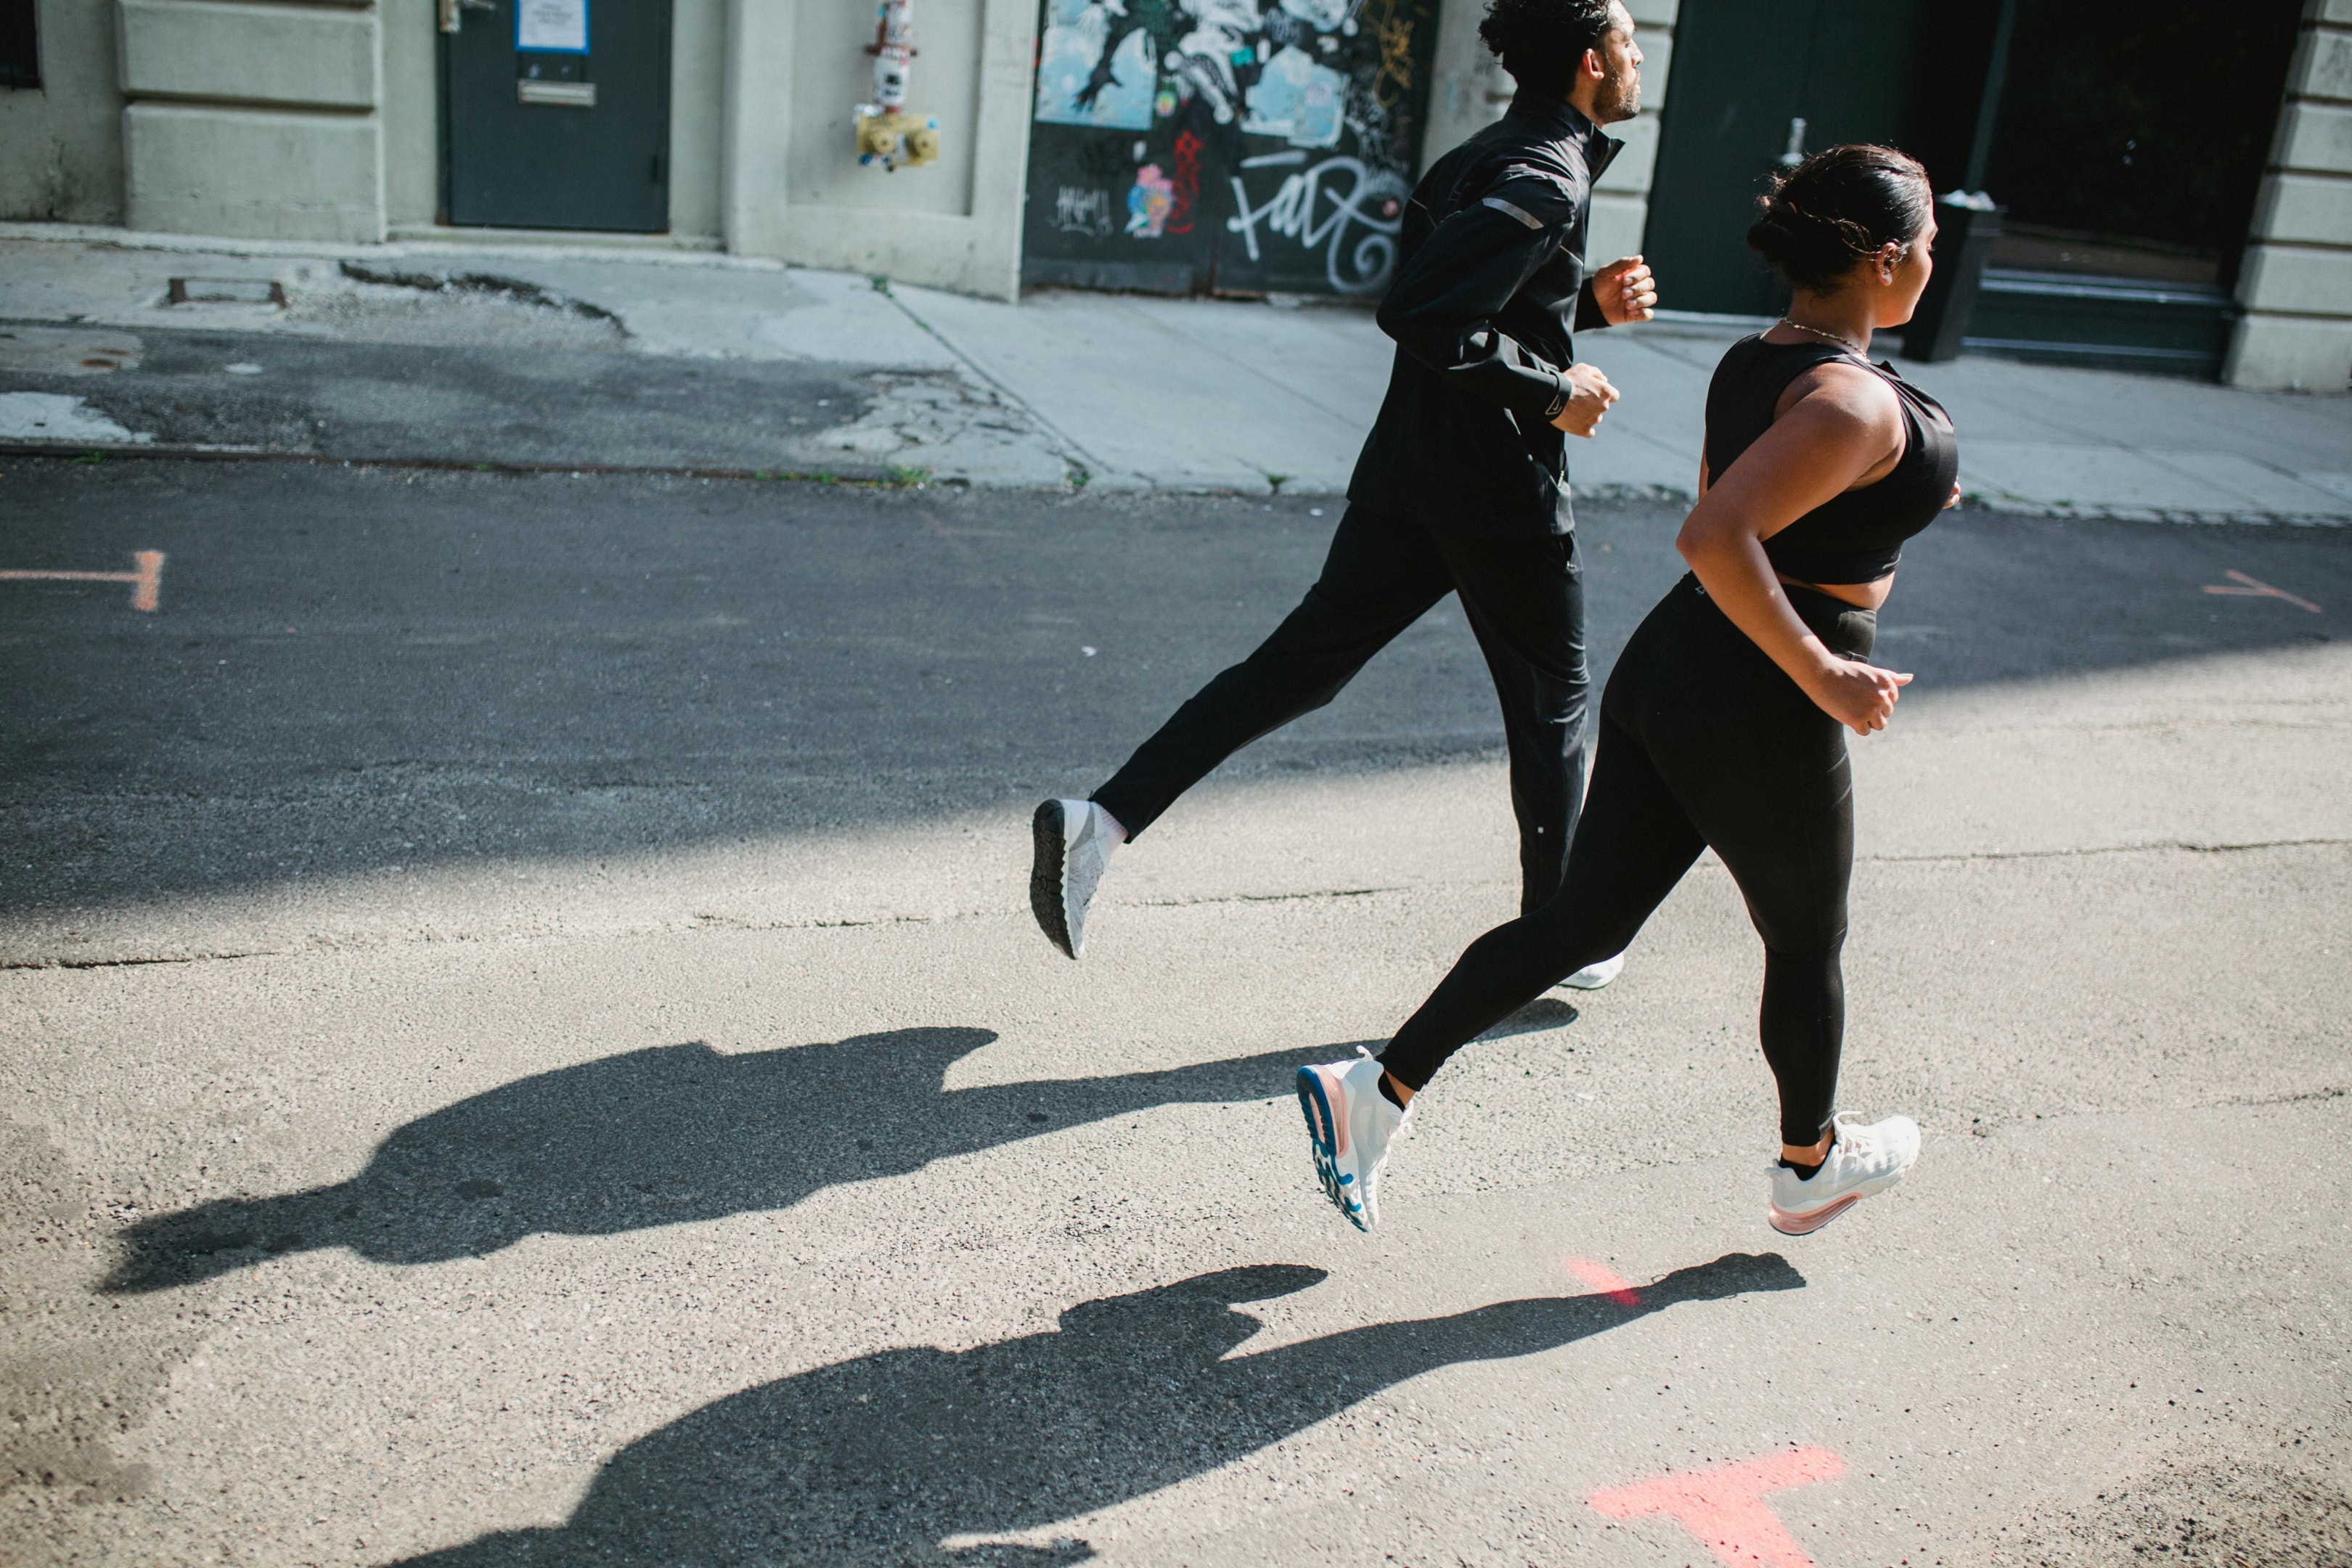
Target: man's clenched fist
{"x":1590,"y":396}
{"x":1625,"y":292}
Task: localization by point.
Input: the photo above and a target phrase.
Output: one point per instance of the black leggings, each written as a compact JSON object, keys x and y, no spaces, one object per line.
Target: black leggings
{"x":1704,"y":744}
{"x":1524,"y":598}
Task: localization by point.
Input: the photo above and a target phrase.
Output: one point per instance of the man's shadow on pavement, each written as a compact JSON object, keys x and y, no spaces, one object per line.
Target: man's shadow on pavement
{"x":888,"y":1458}
{"x":663,"y":1136}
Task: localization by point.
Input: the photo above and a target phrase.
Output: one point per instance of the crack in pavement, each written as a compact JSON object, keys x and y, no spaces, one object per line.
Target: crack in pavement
{"x":705,"y":921}
{"x":2183,"y":846}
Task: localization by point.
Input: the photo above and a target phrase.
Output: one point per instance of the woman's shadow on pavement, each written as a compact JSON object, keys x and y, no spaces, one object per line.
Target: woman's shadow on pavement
{"x":890,"y":1458}
{"x":662,"y":1136}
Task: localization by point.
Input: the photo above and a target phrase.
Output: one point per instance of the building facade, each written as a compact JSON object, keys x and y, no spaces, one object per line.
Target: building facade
{"x":2296,"y":283}
{"x":1242,"y":145}
{"x":717,"y":124}
{"x":288,"y":120}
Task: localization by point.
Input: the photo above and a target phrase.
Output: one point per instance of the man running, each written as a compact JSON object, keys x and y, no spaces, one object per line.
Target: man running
{"x":1463,"y":484}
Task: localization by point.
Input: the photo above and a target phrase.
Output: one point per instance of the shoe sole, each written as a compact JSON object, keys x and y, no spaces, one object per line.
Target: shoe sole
{"x":1805,"y":1224}
{"x":1047,"y":870}
{"x":1323,"y":1137}
{"x":1810,"y":1220}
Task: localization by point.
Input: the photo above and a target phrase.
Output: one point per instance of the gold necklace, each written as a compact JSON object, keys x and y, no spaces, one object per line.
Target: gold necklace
{"x":1846,"y":344}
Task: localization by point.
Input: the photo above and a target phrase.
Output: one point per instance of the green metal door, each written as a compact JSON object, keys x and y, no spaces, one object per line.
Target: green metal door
{"x":556,"y":114}
{"x":1756,"y":82}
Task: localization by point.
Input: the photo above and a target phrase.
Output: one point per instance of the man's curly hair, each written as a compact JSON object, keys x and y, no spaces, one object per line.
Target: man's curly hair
{"x":1541,"y":42}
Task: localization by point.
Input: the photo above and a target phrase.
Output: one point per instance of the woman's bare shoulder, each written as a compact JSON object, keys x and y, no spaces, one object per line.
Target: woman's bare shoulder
{"x":1843,"y":388}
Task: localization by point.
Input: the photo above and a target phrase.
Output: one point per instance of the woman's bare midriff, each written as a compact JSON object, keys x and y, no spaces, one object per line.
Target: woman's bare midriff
{"x":1860,"y":596}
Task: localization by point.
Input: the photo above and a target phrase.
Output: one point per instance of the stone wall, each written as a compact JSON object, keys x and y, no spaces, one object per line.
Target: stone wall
{"x":2296,"y":283}
{"x":252,"y":120}
{"x":1468,"y":91}
{"x":793,"y":186}
{"x":61,"y":142}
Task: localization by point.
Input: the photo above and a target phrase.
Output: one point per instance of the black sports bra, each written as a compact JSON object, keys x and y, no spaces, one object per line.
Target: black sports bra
{"x":1856,"y":537}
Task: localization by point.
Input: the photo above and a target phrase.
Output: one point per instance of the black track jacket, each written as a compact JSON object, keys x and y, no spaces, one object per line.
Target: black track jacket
{"x":1490,"y":282}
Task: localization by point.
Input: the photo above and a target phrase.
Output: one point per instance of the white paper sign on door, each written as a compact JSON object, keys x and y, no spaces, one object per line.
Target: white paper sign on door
{"x":555,"y":26}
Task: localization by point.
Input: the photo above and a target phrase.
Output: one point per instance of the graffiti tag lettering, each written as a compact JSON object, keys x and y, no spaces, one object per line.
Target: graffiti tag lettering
{"x":1394,"y":35}
{"x":1372,"y":200}
{"x":1078,"y":210}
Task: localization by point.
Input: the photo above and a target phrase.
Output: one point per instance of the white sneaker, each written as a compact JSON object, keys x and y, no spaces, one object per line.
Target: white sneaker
{"x":1593,"y":976}
{"x":1863,"y":1160}
{"x":1074,"y":841}
{"x":1350,"y":1124}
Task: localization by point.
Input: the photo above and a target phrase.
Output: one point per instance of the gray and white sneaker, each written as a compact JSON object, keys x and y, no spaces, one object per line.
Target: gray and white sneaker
{"x":1349,"y":1126}
{"x":1074,"y":841}
{"x":1593,"y":976}
{"x":1863,"y":1160}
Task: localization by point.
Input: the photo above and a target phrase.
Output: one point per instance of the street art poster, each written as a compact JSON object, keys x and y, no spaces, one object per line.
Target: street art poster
{"x":1148,"y":202}
{"x":1085,"y":77}
{"x":1297,"y":100}
{"x":1252,"y":146}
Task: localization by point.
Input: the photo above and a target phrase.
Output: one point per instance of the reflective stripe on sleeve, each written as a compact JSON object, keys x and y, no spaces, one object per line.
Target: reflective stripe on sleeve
{"x":1500,"y":205}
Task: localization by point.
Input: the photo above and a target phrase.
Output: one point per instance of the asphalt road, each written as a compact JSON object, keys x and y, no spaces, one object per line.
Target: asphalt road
{"x":581,"y":401}
{"x":525,"y":1045}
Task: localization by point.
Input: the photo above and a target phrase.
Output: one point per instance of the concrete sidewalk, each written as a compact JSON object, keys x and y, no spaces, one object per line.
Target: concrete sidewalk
{"x":1116,"y":392}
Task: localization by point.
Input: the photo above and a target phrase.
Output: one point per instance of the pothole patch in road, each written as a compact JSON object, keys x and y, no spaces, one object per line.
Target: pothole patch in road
{"x":453,"y":280}
{"x":369,"y":302}
{"x":946,"y":425}
{"x":68,"y":351}
{"x":59,"y":416}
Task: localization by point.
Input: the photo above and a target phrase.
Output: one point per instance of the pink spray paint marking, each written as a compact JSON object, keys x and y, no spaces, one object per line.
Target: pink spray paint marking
{"x":1725,"y":1507}
{"x":146,"y":583}
{"x":1606,"y":1280}
{"x":2255,"y":589}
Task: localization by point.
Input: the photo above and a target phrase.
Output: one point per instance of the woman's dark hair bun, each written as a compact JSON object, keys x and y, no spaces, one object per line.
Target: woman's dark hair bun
{"x":1843,"y":204}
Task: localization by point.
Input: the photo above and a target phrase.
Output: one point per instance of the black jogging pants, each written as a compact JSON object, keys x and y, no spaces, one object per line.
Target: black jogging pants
{"x":1524,"y":597}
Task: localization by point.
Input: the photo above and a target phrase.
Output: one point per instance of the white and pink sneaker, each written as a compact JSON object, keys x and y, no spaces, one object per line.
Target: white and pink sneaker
{"x":1863,"y":1160}
{"x":1350,"y":1124}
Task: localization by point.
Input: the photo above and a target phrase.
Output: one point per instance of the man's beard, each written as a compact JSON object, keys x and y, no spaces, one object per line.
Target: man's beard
{"x":1619,"y":97}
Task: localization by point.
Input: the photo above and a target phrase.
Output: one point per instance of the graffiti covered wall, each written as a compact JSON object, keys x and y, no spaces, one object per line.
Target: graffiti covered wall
{"x":1247,"y":146}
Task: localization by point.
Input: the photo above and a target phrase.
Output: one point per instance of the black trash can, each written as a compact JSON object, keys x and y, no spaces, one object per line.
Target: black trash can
{"x":1964,"y":232}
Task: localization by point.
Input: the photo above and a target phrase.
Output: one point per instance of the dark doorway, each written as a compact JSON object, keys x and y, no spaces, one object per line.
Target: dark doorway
{"x":1244,"y":146}
{"x":1758,"y":83}
{"x":20,"y":44}
{"x":2126,"y":143}
{"x":556,"y":114}
{"x":2131,"y":134}
{"x":2128,"y":146}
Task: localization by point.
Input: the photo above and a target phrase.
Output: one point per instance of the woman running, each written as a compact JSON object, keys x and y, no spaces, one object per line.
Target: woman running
{"x":1722,"y":726}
